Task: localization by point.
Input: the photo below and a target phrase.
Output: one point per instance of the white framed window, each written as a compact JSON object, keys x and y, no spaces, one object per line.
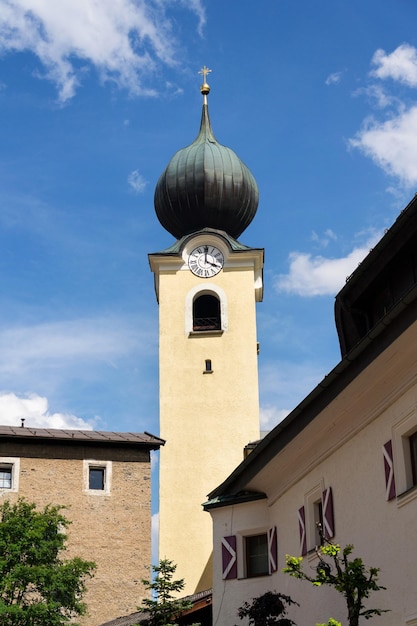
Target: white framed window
{"x":250,"y":553}
{"x":97,"y":477}
{"x":314,"y":515}
{"x":316,"y":510}
{"x":404,"y":444}
{"x":9,"y":473}
{"x":256,"y":555}
{"x":206,"y":302}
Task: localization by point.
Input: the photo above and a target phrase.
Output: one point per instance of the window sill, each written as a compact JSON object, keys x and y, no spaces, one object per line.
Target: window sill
{"x":267,"y":575}
{"x":205,"y":333}
{"x":407,"y":496}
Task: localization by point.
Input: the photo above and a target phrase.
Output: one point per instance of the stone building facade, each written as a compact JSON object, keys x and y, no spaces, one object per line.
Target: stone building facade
{"x":104,"y":480}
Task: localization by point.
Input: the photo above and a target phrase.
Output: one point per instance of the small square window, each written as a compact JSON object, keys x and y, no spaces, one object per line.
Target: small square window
{"x":6,"y":476}
{"x":256,"y":548}
{"x":96,"y":478}
{"x":9,"y":473}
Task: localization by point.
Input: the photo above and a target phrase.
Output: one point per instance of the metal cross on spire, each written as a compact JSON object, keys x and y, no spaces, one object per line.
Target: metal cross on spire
{"x":205,"y":88}
{"x":204,"y":72}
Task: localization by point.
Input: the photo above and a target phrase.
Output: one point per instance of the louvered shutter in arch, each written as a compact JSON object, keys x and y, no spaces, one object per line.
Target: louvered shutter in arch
{"x":272,"y":550}
{"x":328,"y":516}
{"x":390,"y":490}
{"x":302,"y":529}
{"x":229,"y":557}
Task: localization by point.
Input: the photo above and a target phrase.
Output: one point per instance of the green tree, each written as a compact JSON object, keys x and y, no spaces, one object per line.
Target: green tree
{"x":350,"y":577}
{"x":37,"y":588}
{"x":269,"y":609}
{"x":163,"y":608}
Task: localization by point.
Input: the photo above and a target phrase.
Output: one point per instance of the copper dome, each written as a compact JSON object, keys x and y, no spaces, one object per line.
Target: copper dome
{"x":206,"y":185}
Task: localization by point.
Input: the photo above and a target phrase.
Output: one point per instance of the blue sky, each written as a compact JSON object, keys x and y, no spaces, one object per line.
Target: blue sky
{"x":319,"y":99}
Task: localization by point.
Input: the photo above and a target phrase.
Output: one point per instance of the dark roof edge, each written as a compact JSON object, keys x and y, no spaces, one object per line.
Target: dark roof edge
{"x":78,"y":436}
{"x":398,"y":226}
{"x":233,"y":244}
{"x":404,"y":312}
{"x":239,"y":498}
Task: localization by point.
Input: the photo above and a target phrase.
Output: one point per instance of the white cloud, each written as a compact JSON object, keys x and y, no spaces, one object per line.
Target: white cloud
{"x":284,"y":384}
{"x":392,"y":144}
{"x":334,"y":78}
{"x":137,"y":181}
{"x":46,"y":357}
{"x":400,"y":65}
{"x":34,"y":410}
{"x":124,"y":40}
{"x":378,"y":96}
{"x":270,"y":416}
{"x":316,"y":275}
{"x":325,"y":239}
{"x":54,"y":343}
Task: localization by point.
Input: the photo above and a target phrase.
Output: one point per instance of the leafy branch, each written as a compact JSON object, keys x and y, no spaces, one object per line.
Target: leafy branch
{"x":350,"y":577}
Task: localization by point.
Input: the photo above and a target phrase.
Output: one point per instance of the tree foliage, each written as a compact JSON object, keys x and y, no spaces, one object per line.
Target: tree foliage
{"x":164,"y":607}
{"x":37,"y":588}
{"x":349,"y":577}
{"x":269,"y":609}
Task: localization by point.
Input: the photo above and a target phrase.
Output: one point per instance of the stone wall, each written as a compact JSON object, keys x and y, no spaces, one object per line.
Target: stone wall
{"x":111,"y":527}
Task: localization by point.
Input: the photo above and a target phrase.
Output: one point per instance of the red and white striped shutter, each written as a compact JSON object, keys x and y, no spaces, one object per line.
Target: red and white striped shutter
{"x":302,"y":529}
{"x":328,"y":516}
{"x":390,"y":490}
{"x":229,"y":557}
{"x":272,"y":550}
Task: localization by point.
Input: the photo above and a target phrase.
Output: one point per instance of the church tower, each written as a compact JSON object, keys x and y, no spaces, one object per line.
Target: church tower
{"x":207,"y":285}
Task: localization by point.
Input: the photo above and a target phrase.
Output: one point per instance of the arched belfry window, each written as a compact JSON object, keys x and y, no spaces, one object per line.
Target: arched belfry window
{"x":206,"y":313}
{"x":206,"y":310}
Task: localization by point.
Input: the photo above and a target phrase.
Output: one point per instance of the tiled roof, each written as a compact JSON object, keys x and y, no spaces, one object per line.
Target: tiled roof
{"x":86,"y":436}
{"x":138,"y":618}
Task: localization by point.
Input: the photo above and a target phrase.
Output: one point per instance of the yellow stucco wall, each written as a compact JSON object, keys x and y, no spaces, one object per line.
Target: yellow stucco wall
{"x":206,"y":419}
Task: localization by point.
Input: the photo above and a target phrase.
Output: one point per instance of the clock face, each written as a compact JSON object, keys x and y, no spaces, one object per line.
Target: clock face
{"x":206,"y":261}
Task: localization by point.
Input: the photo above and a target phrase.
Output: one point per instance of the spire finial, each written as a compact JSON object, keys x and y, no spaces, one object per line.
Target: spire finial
{"x":205,"y":87}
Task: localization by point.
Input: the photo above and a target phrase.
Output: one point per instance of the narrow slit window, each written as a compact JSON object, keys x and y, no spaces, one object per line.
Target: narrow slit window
{"x":208,"y":366}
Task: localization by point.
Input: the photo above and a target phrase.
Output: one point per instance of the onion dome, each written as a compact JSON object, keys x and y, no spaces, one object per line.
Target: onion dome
{"x":206,"y":185}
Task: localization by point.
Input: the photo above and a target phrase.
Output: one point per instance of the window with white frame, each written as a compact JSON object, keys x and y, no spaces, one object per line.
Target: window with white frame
{"x":97,"y":477}
{"x":413,"y":456}
{"x":316,"y":518}
{"x":314,"y":515}
{"x":250,"y":554}
{"x":404,"y":451}
{"x":206,"y":310}
{"x":256,"y":555}
{"x":9,"y":473}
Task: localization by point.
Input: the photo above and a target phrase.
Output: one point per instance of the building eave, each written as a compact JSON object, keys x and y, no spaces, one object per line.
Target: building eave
{"x":85,"y":437}
{"x":372,"y":345}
